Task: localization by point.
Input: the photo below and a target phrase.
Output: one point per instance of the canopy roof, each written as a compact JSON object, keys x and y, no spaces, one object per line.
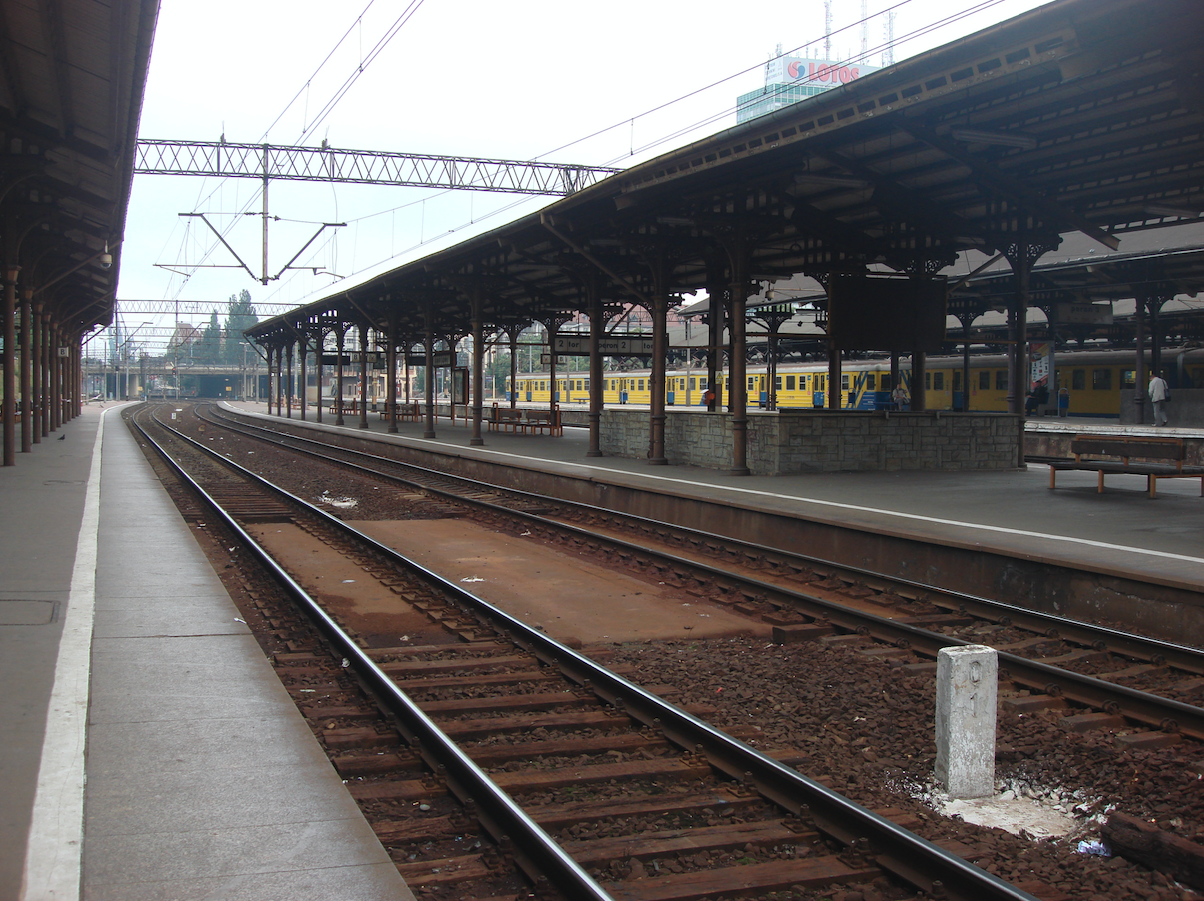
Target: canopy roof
{"x":1080,"y":116}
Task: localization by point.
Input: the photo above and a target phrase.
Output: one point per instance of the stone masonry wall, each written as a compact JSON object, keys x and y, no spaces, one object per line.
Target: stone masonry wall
{"x":820,"y":441}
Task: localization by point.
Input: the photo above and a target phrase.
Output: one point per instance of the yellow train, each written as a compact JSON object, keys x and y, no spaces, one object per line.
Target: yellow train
{"x":1093,"y":379}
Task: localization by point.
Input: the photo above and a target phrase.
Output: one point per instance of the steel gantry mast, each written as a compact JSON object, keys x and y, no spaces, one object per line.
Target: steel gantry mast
{"x":362,"y":167}
{"x":221,"y":159}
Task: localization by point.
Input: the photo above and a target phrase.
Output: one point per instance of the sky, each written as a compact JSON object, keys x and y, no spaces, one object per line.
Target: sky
{"x":596,"y":84}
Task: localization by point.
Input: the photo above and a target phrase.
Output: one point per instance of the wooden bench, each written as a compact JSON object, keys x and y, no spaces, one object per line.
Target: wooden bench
{"x":541,"y":420}
{"x":504,"y":419}
{"x":405,"y":412}
{"x":1154,"y":458}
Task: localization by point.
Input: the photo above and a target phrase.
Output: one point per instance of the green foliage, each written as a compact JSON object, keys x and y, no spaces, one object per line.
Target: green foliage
{"x":240,"y":315}
{"x":208,"y":348}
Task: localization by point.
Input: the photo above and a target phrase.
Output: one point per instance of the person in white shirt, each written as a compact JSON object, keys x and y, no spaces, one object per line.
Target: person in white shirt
{"x":1160,"y":393}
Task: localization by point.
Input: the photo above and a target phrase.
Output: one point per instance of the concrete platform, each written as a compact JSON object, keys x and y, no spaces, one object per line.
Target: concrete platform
{"x":125,"y":666}
{"x":1012,"y":510}
{"x":1099,"y":540}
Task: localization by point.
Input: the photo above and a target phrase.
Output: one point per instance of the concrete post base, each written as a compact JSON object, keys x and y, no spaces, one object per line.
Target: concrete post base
{"x":966,"y":697}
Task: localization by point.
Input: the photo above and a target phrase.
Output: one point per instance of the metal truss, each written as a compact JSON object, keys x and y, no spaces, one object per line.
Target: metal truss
{"x":363,"y":167}
{"x":193,"y":307}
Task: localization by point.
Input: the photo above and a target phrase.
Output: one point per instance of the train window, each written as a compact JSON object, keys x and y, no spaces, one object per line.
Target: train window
{"x":927,"y":381}
{"x":938,"y":381}
{"x":586,"y":383}
{"x":640,"y":387}
{"x":1078,"y":379}
{"x":777,"y":383}
{"x":844,"y":383}
{"x":869,"y":381}
{"x":1101,"y":379}
{"x":1128,"y":378}
{"x":984,"y":380}
{"x":789,"y":383}
{"x":957,"y":380}
{"x":1001,"y":380}
{"x":693,"y":384}
{"x":751,"y":382}
{"x":885,"y":384}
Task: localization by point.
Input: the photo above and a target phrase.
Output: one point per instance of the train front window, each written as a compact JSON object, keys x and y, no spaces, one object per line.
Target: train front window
{"x":886,"y":382}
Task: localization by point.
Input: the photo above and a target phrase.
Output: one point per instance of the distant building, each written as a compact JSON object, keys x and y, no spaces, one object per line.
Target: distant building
{"x":789,"y":79}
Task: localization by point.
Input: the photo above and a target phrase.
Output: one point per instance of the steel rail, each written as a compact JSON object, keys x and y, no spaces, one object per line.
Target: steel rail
{"x":915,"y":859}
{"x":1129,"y":644}
{"x":536,"y":851}
{"x":1139,"y":706}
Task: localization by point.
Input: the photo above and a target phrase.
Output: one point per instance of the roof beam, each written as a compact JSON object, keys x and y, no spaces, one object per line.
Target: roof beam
{"x":1011,"y":187}
{"x":56,"y":54}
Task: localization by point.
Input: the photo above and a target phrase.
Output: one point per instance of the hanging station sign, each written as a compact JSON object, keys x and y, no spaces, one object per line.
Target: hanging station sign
{"x":611,"y":345}
{"x":443,"y":359}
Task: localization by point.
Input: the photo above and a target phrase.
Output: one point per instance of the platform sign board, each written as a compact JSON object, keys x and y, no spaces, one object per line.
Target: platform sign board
{"x":333,"y":359}
{"x":1083,"y":313}
{"x":64,"y":351}
{"x":443,"y":359}
{"x":561,"y":360}
{"x":612,"y":345}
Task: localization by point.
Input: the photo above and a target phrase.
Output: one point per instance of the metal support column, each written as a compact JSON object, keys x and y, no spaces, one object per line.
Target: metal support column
{"x":1140,"y":382}
{"x":391,"y":374}
{"x":656,"y":419}
{"x":429,"y":378}
{"x":340,"y":334}
{"x":46,"y":388}
{"x":513,"y":334}
{"x":919,"y":375}
{"x":597,"y":325}
{"x":833,"y":397}
{"x":35,"y":374}
{"x":27,"y":395}
{"x":303,"y":375}
{"x":9,"y":362}
{"x":737,"y":388}
{"x":478,"y":367}
{"x":363,"y":423}
{"x":291,"y":385}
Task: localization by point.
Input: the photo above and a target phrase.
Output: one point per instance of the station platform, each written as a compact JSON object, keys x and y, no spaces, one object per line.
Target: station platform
{"x":1009,"y":512}
{"x":150,"y":751}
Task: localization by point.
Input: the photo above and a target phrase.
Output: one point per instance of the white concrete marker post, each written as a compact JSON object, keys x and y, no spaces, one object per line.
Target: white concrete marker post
{"x":967,"y":683}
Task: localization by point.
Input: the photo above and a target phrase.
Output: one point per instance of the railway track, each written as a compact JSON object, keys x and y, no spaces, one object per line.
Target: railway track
{"x":1101,"y":678}
{"x":646,"y":800}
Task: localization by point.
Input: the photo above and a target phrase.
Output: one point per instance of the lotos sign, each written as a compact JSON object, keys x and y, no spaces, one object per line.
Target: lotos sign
{"x":826,"y":72}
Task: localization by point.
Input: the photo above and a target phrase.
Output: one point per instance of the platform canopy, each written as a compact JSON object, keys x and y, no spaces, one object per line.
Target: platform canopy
{"x":72,"y":74}
{"x":1080,"y":116}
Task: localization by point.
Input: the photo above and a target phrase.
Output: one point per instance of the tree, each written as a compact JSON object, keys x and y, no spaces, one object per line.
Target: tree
{"x":209,"y":347}
{"x":240,"y":316}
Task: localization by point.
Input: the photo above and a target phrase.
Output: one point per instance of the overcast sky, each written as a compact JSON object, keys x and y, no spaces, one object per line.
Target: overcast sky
{"x":521,"y":80}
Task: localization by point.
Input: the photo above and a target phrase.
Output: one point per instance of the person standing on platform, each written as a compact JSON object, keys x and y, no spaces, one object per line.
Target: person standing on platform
{"x":1160,"y":393}
{"x":709,"y":399}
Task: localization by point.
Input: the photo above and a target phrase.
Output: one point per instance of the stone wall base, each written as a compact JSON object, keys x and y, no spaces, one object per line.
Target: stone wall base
{"x":822,"y":441}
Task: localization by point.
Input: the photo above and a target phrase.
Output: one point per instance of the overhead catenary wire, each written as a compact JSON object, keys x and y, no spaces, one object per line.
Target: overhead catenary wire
{"x":629,"y":121}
